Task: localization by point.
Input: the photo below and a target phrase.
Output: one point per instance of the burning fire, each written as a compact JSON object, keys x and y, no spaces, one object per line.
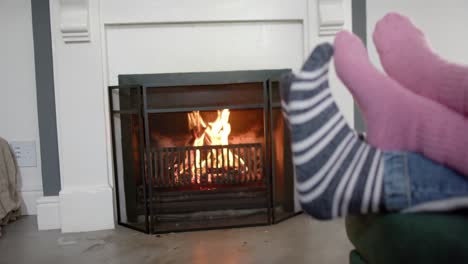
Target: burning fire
{"x":214,"y":133}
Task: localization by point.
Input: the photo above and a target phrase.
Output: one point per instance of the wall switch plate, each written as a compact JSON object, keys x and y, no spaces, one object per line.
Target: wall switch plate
{"x":25,"y":153}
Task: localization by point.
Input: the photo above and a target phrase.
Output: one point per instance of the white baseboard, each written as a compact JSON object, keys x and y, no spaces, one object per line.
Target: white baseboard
{"x":28,"y":201}
{"x":48,"y":213}
{"x":87,"y":208}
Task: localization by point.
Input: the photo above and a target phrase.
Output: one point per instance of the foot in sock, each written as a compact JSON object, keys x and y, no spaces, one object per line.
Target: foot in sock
{"x":407,"y":57}
{"x":398,"y":119}
{"x":338,"y":173}
{"x":347,"y":173}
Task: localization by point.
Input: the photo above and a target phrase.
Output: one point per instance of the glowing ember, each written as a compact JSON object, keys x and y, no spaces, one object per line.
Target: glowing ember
{"x":214,"y":133}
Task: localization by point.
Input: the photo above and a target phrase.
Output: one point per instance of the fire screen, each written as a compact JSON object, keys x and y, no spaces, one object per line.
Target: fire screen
{"x":200,"y":150}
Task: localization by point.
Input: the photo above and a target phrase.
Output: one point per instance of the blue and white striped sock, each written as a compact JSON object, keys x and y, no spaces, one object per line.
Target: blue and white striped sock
{"x":337,"y":173}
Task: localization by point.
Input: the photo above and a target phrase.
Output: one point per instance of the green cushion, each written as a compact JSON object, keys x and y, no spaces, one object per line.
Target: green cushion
{"x":355,"y":258}
{"x":410,"y":238}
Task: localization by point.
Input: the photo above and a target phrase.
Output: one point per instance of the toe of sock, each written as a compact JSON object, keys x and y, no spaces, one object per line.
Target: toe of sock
{"x":354,"y":69}
{"x":322,"y":53}
{"x":393,"y":29}
{"x":350,"y":55}
{"x":348,"y":46}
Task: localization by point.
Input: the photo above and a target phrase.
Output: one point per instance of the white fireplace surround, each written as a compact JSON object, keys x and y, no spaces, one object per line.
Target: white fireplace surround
{"x":96,"y":40}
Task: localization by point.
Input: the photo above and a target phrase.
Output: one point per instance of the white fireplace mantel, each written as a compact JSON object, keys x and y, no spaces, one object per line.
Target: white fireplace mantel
{"x":95,"y":40}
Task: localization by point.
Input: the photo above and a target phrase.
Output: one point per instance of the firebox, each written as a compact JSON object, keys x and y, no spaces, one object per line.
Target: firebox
{"x":200,"y":150}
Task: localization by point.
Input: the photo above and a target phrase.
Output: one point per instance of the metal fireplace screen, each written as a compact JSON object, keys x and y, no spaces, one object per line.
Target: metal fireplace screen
{"x":200,"y":150}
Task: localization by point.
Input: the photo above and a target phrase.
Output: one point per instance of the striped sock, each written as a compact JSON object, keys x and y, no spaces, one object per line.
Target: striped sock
{"x":337,"y":173}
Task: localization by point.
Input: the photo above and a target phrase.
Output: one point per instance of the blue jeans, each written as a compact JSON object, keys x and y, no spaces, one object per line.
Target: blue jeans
{"x":415,"y":183}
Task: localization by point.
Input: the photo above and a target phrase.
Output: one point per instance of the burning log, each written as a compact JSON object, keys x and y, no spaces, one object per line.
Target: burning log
{"x":214,"y":133}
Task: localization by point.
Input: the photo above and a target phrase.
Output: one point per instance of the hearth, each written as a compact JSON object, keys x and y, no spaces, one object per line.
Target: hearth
{"x":200,"y":150}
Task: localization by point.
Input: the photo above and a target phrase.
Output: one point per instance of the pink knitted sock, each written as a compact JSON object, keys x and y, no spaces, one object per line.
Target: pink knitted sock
{"x":406,"y":57}
{"x":398,"y":119}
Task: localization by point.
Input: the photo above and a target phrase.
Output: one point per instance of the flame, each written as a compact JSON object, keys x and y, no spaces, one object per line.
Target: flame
{"x":214,"y":133}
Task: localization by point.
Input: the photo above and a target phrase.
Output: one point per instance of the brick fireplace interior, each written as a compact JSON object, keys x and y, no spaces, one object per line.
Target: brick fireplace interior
{"x":200,"y":151}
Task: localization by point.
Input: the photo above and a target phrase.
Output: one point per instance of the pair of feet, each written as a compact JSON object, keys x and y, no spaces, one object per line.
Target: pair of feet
{"x":337,"y":173}
{"x":406,"y":56}
{"x":421,"y":106}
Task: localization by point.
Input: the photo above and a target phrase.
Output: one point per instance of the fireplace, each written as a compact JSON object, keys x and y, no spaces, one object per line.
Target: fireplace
{"x":200,"y":150}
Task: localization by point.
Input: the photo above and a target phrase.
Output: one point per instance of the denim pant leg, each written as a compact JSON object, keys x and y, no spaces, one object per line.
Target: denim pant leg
{"x":411,"y":179}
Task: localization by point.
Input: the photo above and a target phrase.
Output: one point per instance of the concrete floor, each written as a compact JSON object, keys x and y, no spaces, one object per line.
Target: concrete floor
{"x":297,"y":240}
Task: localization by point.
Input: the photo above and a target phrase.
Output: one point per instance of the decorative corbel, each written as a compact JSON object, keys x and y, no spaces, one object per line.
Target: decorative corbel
{"x":331,"y":17}
{"x":74,"y":23}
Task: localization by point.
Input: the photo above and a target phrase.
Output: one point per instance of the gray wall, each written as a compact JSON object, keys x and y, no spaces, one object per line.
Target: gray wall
{"x":360,"y":29}
{"x":45,"y":97}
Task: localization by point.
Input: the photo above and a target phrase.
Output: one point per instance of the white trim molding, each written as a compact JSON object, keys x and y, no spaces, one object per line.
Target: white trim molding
{"x":48,"y":213}
{"x":331,"y":17}
{"x":77,"y":210}
{"x":86,"y":209}
{"x":29,"y":196}
{"x":74,"y":20}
